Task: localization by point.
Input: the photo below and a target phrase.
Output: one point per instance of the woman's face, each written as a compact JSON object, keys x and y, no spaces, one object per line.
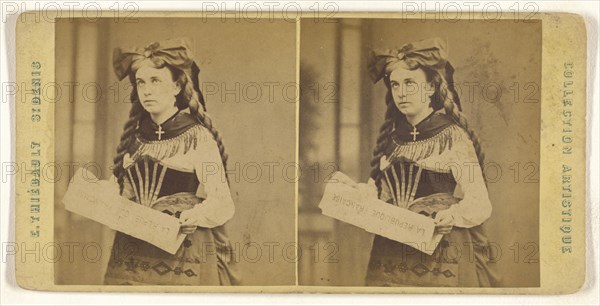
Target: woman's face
{"x":156,"y":89}
{"x":410,"y":91}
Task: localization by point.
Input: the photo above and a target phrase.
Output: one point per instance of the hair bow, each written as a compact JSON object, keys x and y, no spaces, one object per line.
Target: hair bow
{"x":429,"y":52}
{"x":175,"y":52}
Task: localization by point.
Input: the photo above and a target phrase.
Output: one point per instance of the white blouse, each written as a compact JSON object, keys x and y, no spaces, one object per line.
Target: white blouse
{"x":205,"y":160}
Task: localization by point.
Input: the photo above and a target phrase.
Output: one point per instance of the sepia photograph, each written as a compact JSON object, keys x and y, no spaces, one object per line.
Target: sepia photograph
{"x":424,"y":141}
{"x":163,"y":130}
{"x":297,"y":153}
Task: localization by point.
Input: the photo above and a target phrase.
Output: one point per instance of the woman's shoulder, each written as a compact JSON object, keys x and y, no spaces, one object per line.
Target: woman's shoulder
{"x":199,"y":132}
{"x":443,"y":125}
{"x":456,"y":131}
{"x":459,"y":134}
{"x":453,"y":137}
{"x":195,"y":128}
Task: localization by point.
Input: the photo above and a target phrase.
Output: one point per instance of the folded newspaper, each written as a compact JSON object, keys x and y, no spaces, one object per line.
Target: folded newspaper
{"x":348,"y":204}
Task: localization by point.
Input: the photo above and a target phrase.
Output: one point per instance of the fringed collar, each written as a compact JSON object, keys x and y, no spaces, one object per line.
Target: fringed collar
{"x":430,"y":126}
{"x":176,"y":125}
{"x":180,"y":144}
{"x":182,"y":132}
{"x":417,"y":150}
{"x":436,"y":134}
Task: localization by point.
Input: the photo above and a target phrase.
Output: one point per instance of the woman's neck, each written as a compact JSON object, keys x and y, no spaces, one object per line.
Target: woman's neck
{"x":414,"y":120}
{"x":164,"y":116}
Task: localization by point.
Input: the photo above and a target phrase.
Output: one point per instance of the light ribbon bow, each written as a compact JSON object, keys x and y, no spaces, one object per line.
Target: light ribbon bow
{"x":175,"y":52}
{"x":430,"y":53}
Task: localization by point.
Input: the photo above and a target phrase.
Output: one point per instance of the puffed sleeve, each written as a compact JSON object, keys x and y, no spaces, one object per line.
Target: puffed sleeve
{"x":218,"y":206}
{"x":474,"y":207}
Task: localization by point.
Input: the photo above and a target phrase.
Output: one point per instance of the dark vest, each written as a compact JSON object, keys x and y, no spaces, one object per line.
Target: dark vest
{"x":151,"y":179}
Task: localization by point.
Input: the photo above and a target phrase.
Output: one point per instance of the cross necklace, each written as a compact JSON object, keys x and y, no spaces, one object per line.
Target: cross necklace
{"x":414,"y":133}
{"x":160,"y":130}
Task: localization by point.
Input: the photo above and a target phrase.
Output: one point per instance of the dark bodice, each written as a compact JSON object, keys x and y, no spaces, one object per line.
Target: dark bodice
{"x":401,"y":178}
{"x":151,"y":180}
{"x":147,"y":176}
{"x":405,"y":178}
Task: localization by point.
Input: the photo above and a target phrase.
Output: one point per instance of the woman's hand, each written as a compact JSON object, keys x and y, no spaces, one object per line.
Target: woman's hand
{"x":188,"y":222}
{"x":444,"y":221}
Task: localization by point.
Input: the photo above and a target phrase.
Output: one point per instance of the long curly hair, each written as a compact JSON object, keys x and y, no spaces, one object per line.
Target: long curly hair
{"x":444,"y":96}
{"x":190,"y":97}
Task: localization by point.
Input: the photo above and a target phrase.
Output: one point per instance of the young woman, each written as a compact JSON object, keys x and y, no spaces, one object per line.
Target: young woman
{"x":428,"y":160}
{"x":171,"y":158}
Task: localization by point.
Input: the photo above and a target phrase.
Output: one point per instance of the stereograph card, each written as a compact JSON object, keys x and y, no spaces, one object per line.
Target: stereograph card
{"x":366,"y":153}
